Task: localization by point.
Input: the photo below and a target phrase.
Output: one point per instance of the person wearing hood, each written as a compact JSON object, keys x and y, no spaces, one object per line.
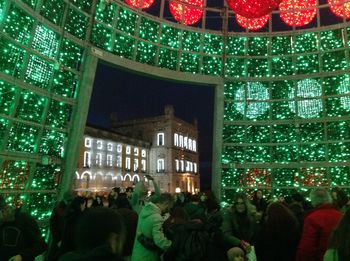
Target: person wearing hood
{"x":150,"y":239}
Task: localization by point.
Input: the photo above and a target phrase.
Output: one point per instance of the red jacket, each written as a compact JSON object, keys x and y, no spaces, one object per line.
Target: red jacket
{"x":318,"y":226}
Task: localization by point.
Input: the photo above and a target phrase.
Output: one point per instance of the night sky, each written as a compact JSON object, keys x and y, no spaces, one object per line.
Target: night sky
{"x":131,"y":96}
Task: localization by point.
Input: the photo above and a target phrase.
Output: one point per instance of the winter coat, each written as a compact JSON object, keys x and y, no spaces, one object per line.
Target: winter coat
{"x":21,"y":236}
{"x":150,"y":225}
{"x":318,"y":226}
{"x":236,"y":227}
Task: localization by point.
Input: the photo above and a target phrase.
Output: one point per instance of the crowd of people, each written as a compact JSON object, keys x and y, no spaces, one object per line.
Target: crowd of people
{"x":135,"y":225}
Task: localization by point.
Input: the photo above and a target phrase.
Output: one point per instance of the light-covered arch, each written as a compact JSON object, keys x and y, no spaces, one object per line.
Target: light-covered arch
{"x":127,"y":176}
{"x":136,"y":176}
{"x":77,"y":175}
{"x":86,"y":173}
{"x":118,"y":177}
{"x":99,"y":173}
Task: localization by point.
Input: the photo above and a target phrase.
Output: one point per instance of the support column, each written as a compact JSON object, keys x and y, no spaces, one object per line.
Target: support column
{"x":217,"y":139}
{"x":78,"y":122}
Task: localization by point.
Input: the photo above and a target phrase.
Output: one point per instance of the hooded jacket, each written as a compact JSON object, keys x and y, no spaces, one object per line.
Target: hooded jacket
{"x":150,"y":225}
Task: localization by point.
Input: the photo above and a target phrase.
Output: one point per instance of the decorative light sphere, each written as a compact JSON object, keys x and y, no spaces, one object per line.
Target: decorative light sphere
{"x":340,"y":8}
{"x":137,"y":3}
{"x":252,"y":24}
{"x":188,"y":11}
{"x":292,"y":14}
{"x":305,"y":107}
{"x":253,"y":8}
{"x":250,"y":94}
{"x":344,"y":88}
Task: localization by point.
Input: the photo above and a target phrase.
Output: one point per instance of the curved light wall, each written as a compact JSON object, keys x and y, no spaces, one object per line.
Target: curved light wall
{"x":276,"y":134}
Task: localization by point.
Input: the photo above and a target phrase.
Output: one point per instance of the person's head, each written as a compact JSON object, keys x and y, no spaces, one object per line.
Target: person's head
{"x":241,"y":203}
{"x":258,"y":195}
{"x":235,"y":254}
{"x":164,"y":201}
{"x":108,"y":229}
{"x":129,"y":191}
{"x":319,"y":196}
{"x":122,"y":201}
{"x":278,"y":214}
{"x":340,"y":198}
{"x":77,"y":204}
{"x":340,"y":238}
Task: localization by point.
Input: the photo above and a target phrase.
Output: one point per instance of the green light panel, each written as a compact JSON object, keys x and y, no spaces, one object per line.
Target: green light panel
{"x":170,"y":36}
{"x":102,"y":37}
{"x":146,"y":53}
{"x":76,"y":23}
{"x":126,"y":21}
{"x":52,"y":143}
{"x":167,"y":58}
{"x":31,"y":107}
{"x":18,"y":25}
{"x":7,"y":94}
{"x":124,"y":46}
{"x":53,"y":10}
{"x":14,"y":174}
{"x":39,"y":72}
{"x":11,"y":58}
{"x":149,"y":30}
{"x":105,"y":12}
{"x":45,"y":177}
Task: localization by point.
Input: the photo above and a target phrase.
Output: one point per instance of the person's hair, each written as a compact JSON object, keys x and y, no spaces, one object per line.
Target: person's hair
{"x":129,"y":189}
{"x":95,"y":227}
{"x":342,"y":198}
{"x":319,"y":196}
{"x":340,"y":238}
{"x":163,"y":198}
{"x":250,"y":209}
{"x":280,"y":221}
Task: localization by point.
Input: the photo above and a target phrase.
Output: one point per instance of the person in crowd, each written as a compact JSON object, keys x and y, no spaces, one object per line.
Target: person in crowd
{"x":21,"y":238}
{"x":150,"y":238}
{"x":128,"y":192}
{"x":100,"y":236}
{"x":130,"y":221}
{"x":57,"y":225}
{"x":74,"y":211}
{"x":339,"y":243}
{"x":112,"y":196}
{"x":194,"y":209}
{"x":279,"y":236}
{"x":260,"y":203}
{"x":298,"y":211}
{"x":178,"y":216}
{"x":97,"y":201}
{"x":318,"y":225}
{"x":299,"y":198}
{"x":140,"y":195}
{"x":239,"y":226}
{"x":340,"y":199}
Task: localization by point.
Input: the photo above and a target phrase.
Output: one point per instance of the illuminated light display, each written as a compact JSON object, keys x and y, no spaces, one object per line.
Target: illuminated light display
{"x":252,"y":23}
{"x":143,"y":4}
{"x":186,"y":11}
{"x":292,"y":13}
{"x":340,"y":8}
{"x":309,"y":90}
{"x":253,"y":8}
{"x":344,"y":88}
{"x":249,"y":99}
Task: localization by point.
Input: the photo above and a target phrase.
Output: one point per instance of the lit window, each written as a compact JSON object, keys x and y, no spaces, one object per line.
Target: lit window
{"x":127,"y":163}
{"x":109,"y":146}
{"x":160,"y":139}
{"x":143,"y":153}
{"x":98,"y":159}
{"x":190,"y":144}
{"x":136,"y":151}
{"x":109,"y":160}
{"x":195,"y":167}
{"x":176,"y":139}
{"x":143,"y":165}
{"x":99,"y":144}
{"x":136,"y":164}
{"x":87,"y":159}
{"x":185,"y":142}
{"x":119,"y":161}
{"x":182,"y":164}
{"x":181,"y":138}
{"x":88,"y":142}
{"x":119,"y":148}
{"x":177,"y":165}
{"x":187,"y":165}
{"x":128,"y":149}
{"x":160,"y":165}
{"x":190,"y":166}
{"x":194,"y":145}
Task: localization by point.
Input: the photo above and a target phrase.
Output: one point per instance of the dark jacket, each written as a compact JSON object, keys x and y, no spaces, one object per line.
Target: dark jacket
{"x":101,"y":253}
{"x":21,"y":236}
{"x":130,"y":221}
